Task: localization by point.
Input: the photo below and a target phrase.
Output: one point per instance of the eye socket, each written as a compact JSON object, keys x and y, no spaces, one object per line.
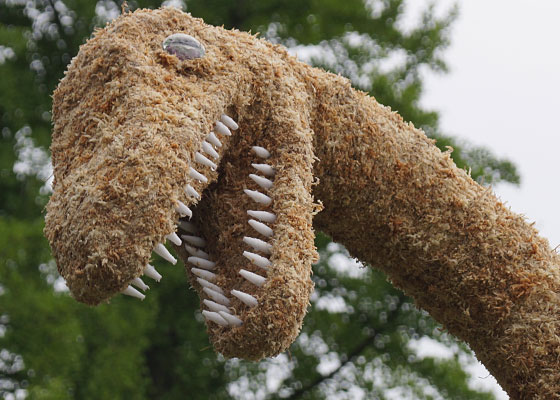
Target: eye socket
{"x":184,"y":46}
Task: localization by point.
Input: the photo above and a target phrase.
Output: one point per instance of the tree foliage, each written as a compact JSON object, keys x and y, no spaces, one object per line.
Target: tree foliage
{"x":358,"y":337}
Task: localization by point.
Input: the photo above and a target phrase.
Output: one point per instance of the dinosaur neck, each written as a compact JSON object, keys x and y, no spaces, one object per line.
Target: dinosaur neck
{"x":397,"y":202}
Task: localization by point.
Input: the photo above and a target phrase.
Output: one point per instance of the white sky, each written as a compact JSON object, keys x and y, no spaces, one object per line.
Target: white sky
{"x":503,"y":92}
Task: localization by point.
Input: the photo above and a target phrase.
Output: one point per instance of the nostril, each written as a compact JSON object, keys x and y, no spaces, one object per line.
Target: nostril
{"x":184,"y":46}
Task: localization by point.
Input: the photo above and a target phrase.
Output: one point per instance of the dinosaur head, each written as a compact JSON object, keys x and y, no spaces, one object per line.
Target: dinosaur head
{"x":168,"y":129}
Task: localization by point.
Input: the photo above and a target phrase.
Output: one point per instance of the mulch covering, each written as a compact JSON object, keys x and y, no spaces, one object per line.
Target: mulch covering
{"x":129,"y":118}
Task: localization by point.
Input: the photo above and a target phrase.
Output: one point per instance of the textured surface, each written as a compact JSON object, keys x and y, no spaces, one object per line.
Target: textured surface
{"x":122,"y":147}
{"x":123,"y":141}
{"x":399,"y":203}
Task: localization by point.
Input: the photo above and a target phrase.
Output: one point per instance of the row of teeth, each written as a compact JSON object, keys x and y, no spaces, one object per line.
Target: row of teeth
{"x":218,"y":311}
{"x":221,"y":127}
{"x":218,"y":303}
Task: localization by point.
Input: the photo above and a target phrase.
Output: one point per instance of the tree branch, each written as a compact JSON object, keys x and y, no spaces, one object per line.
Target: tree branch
{"x":351,"y":356}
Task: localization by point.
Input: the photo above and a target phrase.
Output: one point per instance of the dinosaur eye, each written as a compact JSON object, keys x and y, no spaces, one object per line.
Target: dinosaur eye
{"x":185,"y":47}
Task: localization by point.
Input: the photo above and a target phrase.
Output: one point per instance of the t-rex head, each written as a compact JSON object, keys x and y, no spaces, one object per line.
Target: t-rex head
{"x":144,"y":146}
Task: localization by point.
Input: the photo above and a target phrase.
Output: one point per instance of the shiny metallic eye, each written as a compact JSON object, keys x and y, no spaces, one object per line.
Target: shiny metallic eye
{"x":185,"y":47}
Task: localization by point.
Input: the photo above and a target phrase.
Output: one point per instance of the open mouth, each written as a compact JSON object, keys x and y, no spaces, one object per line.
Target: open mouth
{"x":197,"y":167}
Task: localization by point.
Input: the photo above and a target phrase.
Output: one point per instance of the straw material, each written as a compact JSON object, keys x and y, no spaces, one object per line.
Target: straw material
{"x":129,"y":118}
{"x":399,"y":203}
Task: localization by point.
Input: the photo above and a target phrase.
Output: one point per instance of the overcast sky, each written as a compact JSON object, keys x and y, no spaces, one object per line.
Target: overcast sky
{"x":503,"y":92}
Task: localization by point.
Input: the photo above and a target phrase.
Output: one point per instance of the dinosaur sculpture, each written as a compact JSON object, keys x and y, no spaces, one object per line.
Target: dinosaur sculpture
{"x":165,"y":127}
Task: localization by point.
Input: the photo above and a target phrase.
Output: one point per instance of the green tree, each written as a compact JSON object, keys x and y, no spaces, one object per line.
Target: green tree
{"x":356,"y":339}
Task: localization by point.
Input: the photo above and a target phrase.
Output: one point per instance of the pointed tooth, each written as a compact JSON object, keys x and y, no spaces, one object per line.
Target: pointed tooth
{"x":188,"y":226}
{"x":213,"y":306}
{"x":202,"y":273}
{"x":229,"y":122}
{"x":202,"y":263}
{"x":130,"y":291}
{"x":255,"y":279}
{"x":265,"y":169}
{"x":151,"y":272}
{"x":190,"y":191}
{"x":259,"y":245}
{"x":217,"y":297}
{"x":182,"y":209}
{"x":261,"y":152}
{"x":193,"y":251}
{"x":260,"y":227}
{"x":222,"y":129}
{"x":264,"y":216}
{"x":208,"y":149}
{"x":139,"y":283}
{"x":194,"y":240}
{"x":161,"y":251}
{"x":212,"y":138}
{"x":259,"y":261}
{"x":193,"y":173}
{"x":173,"y":238}
{"x":199,"y":158}
{"x":205,"y":283}
{"x":262,"y":182}
{"x":232,"y":319}
{"x":258,"y":196}
{"x":214,"y":317}
{"x":245,"y":298}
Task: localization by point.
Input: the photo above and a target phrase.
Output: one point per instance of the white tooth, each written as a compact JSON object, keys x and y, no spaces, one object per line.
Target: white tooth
{"x":188,"y":226}
{"x":151,"y":272}
{"x":139,"y":283}
{"x":194,"y":240}
{"x":259,"y":227}
{"x":199,"y":158}
{"x":193,"y":173}
{"x":208,"y":149}
{"x":229,"y":122}
{"x":262,"y":182}
{"x":259,"y":261}
{"x":255,"y":279}
{"x":164,"y":253}
{"x":265,"y":169}
{"x":173,"y":238}
{"x":130,"y":291}
{"x":189,"y":190}
{"x":222,"y":129}
{"x":264,"y":216}
{"x":202,"y":263}
{"x":212,"y":138}
{"x":213,"y":306}
{"x":183,"y":210}
{"x":259,"y":245}
{"x":214,"y":317}
{"x":205,"y":283}
{"x":261,"y":152}
{"x":217,"y":297}
{"x":202,"y":273}
{"x":258,"y":196}
{"x":232,"y":319}
{"x":245,"y":298}
{"x":193,"y":251}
